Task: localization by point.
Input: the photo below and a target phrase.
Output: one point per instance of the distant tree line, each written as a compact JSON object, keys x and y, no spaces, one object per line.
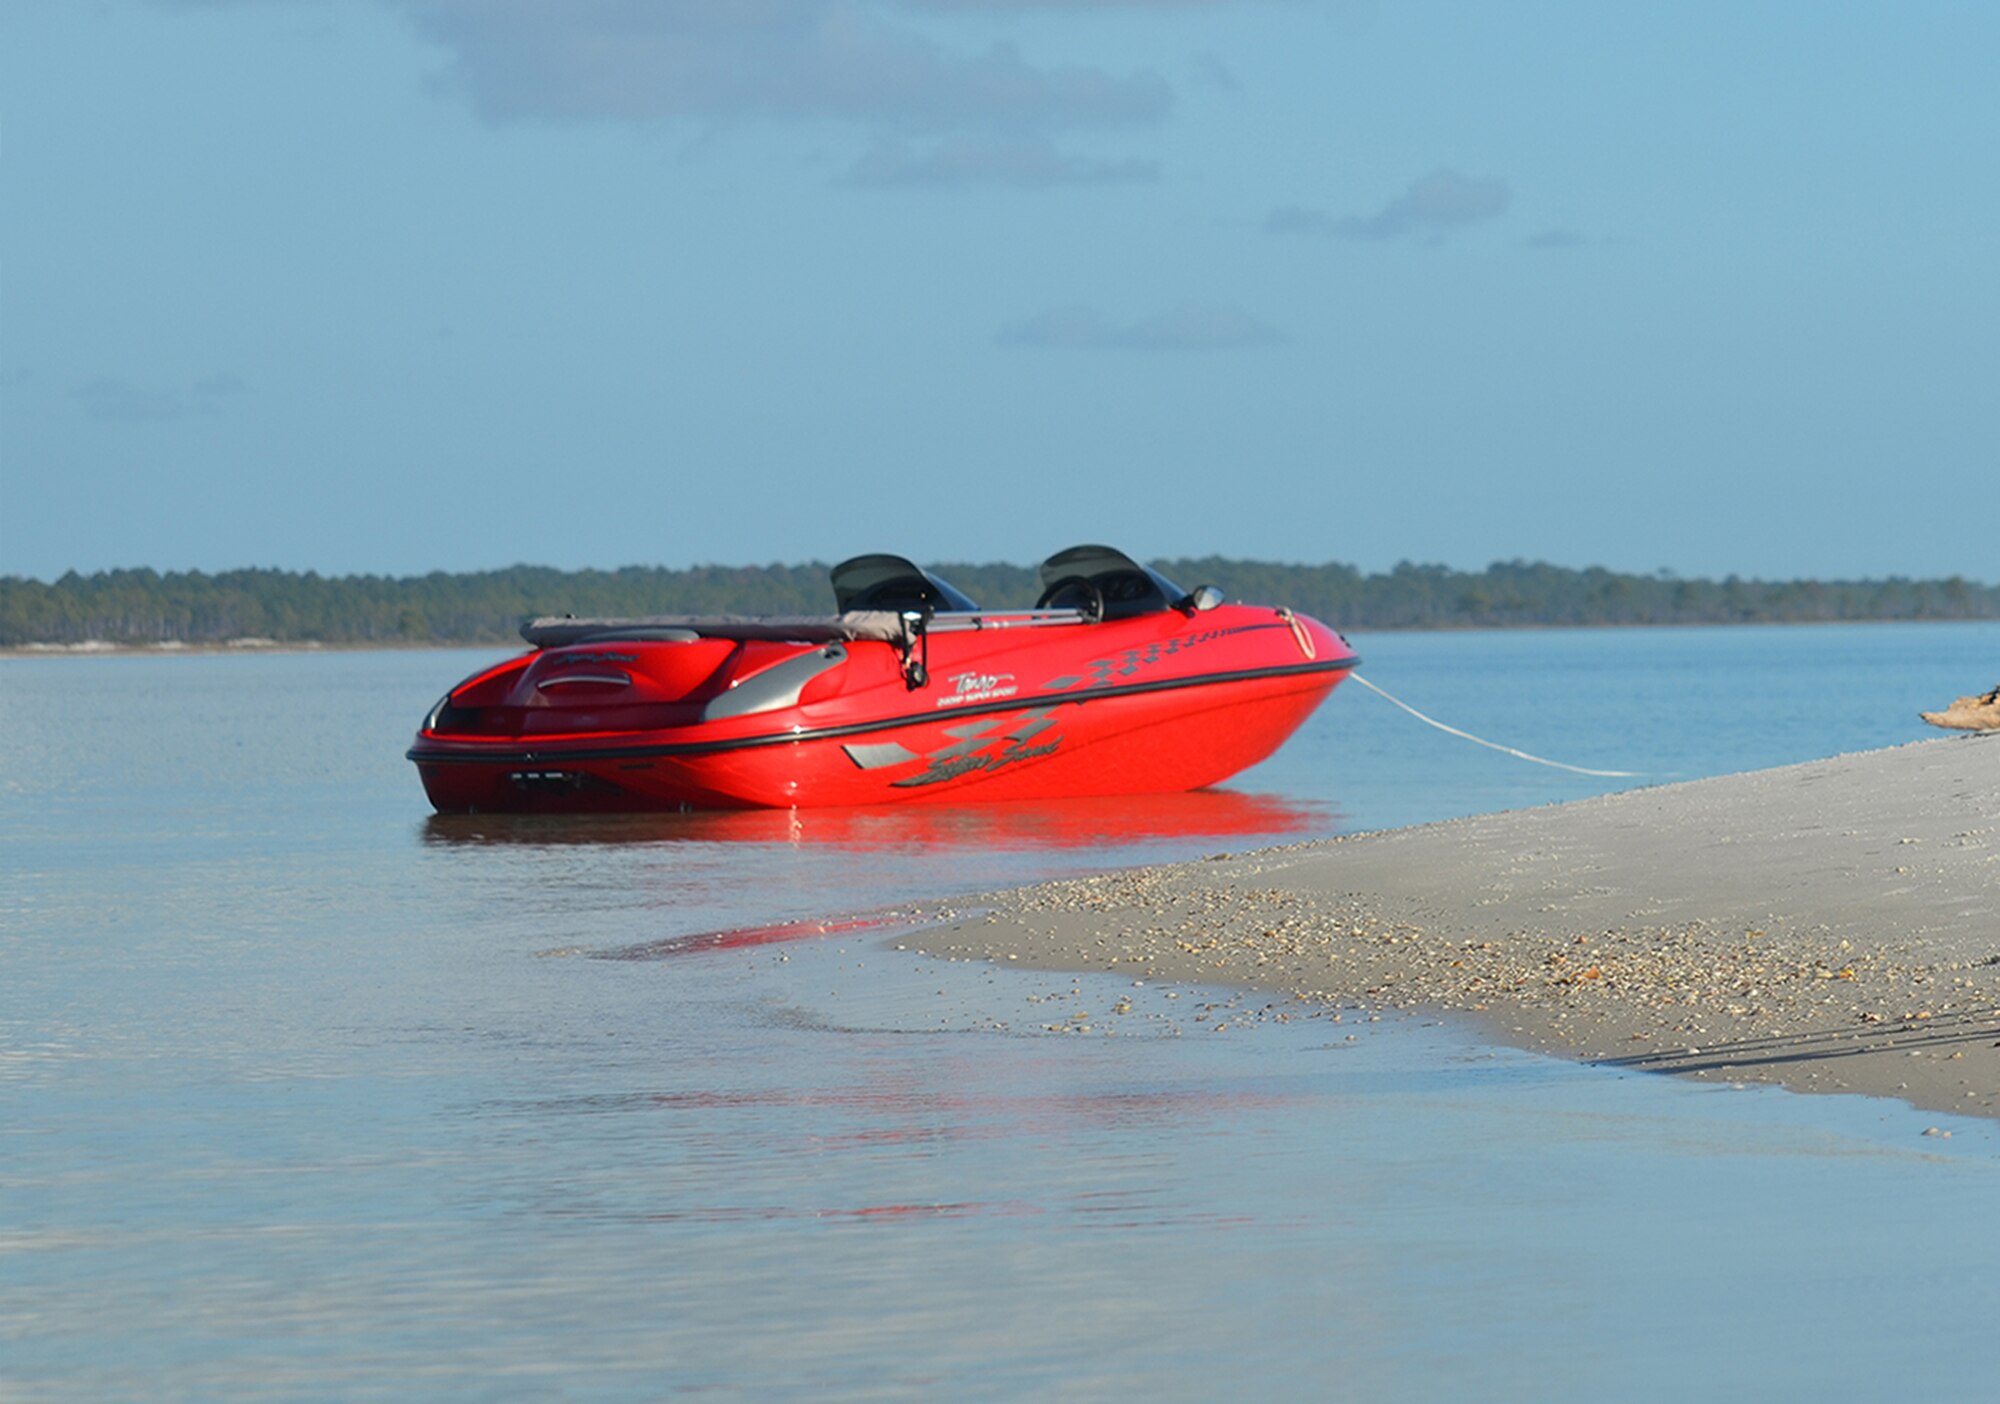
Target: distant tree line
{"x":148,"y":607}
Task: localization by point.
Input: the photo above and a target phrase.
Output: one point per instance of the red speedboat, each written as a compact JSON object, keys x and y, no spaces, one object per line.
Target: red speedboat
{"x":1117,"y":682}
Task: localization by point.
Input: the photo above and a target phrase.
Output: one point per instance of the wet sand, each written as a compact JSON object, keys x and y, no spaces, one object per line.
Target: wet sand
{"x":1832,"y":926}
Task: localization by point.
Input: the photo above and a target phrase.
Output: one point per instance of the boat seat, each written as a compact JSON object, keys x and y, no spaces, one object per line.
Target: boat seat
{"x":1118,"y":594}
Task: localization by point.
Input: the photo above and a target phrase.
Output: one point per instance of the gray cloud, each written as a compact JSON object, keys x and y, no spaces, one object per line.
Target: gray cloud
{"x":1029,"y":161}
{"x":1555,"y":239}
{"x":110,"y":400}
{"x":1298,"y":219}
{"x":215,"y":387}
{"x":783,"y":59}
{"x":1441,"y":201}
{"x":1210,"y":69}
{"x":1188,"y":327}
{"x":967,"y":6}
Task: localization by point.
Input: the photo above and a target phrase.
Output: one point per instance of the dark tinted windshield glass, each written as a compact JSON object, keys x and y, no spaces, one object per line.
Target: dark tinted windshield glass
{"x":1127,"y":587}
{"x":883,"y":581}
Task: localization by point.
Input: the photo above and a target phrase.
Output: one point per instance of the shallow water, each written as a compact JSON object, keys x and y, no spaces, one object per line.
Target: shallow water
{"x":308,"y":1095}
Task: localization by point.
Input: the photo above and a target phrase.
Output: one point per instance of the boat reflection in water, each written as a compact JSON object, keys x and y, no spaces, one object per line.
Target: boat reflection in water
{"x":842,"y":872}
{"x":1105,"y":825}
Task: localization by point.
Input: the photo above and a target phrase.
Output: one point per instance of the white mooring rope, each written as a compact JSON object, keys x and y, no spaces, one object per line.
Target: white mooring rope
{"x":1491,"y":745}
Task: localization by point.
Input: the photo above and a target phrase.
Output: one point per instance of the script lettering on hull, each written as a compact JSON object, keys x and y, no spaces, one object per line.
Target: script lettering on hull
{"x":988,"y":744}
{"x":978,"y":687}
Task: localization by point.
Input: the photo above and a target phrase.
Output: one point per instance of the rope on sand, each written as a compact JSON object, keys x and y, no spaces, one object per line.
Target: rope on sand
{"x":1492,"y":745}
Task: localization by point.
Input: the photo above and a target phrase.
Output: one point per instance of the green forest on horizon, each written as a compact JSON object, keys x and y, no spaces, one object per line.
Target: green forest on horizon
{"x":143,"y":606}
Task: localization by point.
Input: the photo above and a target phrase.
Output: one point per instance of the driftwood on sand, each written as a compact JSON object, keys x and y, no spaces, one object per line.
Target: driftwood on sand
{"x":1980,"y":713}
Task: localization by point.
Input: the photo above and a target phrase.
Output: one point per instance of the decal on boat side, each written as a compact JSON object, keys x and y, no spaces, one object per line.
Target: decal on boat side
{"x":978,"y":687}
{"x":977,"y":746}
{"x":1131,"y":660}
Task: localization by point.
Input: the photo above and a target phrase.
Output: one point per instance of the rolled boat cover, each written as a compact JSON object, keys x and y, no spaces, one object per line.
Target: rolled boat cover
{"x":561,"y":630}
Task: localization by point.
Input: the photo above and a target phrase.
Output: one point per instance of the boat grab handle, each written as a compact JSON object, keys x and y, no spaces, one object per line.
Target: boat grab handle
{"x":599,"y":679}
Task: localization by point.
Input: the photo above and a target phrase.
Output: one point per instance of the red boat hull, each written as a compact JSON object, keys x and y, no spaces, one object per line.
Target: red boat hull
{"x":1160,"y":703}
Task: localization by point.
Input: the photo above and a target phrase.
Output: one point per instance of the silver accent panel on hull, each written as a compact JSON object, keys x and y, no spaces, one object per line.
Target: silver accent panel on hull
{"x":776,"y":687}
{"x":880,"y":755}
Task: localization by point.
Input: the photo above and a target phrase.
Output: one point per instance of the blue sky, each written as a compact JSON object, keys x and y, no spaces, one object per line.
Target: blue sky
{"x":401,"y":285}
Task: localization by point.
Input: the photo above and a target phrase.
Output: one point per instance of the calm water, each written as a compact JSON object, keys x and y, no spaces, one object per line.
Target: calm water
{"x":304,"y":1095}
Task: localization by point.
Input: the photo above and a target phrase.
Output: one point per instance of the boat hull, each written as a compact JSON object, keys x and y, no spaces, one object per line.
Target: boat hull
{"x":1144,"y":706}
{"x":1158,"y":741}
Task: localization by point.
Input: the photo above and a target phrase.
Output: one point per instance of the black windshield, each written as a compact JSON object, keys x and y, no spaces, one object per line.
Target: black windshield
{"x":890,"y":582}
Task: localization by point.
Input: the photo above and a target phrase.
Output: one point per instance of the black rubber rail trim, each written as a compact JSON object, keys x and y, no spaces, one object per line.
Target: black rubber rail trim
{"x":421,"y":751}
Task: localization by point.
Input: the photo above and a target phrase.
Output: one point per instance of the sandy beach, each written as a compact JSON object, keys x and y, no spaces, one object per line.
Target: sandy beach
{"x":1832,"y":926}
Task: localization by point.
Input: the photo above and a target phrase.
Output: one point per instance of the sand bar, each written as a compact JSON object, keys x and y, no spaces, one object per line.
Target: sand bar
{"x":1832,"y":926}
